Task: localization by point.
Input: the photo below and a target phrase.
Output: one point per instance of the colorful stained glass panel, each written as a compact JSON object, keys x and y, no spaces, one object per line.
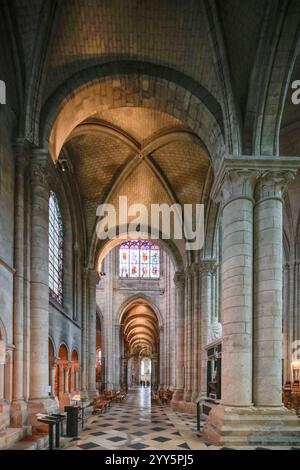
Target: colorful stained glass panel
{"x":55,"y":250}
{"x":139,"y":259}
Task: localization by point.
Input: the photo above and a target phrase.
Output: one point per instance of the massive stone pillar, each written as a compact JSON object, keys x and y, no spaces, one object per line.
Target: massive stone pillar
{"x":250,"y":412}
{"x":188,"y":337}
{"x":207,"y":268}
{"x":117,"y":356}
{"x":91,"y":321}
{"x":52,"y":370}
{"x":124,"y":361}
{"x":18,"y":407}
{"x":179,"y":282}
{"x":172,"y":352}
{"x":162,"y":356}
{"x":237,"y":288}
{"x":154,"y":375}
{"x":196,"y":355}
{"x":39,"y":293}
{"x":84,"y":337}
{"x":235,"y":188}
{"x":268,"y":284}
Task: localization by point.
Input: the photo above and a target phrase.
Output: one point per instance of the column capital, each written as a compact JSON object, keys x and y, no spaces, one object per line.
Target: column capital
{"x":188,"y":272}
{"x":273,"y":183}
{"x":179,"y":279}
{"x":196,"y":268}
{"x":286,"y":267}
{"x":238,"y":175}
{"x":22,"y":149}
{"x":208,"y":266}
{"x":235,"y":179}
{"x":41,"y":167}
{"x":90,"y":273}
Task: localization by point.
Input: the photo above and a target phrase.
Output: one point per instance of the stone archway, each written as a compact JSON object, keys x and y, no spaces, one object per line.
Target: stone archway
{"x":140,"y":336}
{"x":74,"y":384}
{"x":63,"y":376}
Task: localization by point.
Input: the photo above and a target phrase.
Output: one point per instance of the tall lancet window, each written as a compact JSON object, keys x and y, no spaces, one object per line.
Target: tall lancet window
{"x":139,"y":259}
{"x":56,"y":240}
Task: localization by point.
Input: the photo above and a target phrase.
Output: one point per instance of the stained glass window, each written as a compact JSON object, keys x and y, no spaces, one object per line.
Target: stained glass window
{"x":56,"y":237}
{"x":139,"y":259}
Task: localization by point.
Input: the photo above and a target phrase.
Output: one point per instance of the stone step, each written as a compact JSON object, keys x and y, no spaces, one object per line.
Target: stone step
{"x":275,"y":440}
{"x":261,"y":440}
{"x":10,"y":436}
{"x":280,"y":411}
{"x":34,"y":442}
{"x":243,"y":430}
{"x":259,"y":420}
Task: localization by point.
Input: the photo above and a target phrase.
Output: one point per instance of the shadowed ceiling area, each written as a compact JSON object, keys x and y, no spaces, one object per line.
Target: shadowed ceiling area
{"x":140,"y":328}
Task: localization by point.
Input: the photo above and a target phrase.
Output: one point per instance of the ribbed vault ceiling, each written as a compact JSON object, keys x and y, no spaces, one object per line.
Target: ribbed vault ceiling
{"x":140,"y":328}
{"x":144,"y":154}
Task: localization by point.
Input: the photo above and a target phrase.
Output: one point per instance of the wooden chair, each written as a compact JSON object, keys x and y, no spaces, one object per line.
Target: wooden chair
{"x":287,"y":398}
{"x":100,"y":404}
{"x":120,"y":396}
{"x":296,"y":402}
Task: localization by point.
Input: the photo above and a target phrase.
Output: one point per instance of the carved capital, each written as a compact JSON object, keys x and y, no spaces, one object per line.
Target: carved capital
{"x":196,"y":268}
{"x":40,"y":168}
{"x":238,"y":183}
{"x":286,"y":267}
{"x":179,"y":279}
{"x":22,"y":151}
{"x":208,"y":266}
{"x":273,"y":183}
{"x":238,"y":175}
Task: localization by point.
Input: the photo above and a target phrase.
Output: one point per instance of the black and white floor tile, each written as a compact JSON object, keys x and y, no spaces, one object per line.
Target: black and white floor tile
{"x":138,"y":424}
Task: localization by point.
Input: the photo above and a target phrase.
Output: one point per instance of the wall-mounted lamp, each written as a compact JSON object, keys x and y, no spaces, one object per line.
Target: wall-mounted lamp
{"x":63,"y":165}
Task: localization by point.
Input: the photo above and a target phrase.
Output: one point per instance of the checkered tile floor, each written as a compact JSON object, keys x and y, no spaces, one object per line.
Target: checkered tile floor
{"x":138,"y":424}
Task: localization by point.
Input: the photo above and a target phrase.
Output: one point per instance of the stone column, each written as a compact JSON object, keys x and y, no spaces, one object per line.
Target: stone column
{"x":154,"y":371}
{"x":52,"y":378}
{"x":92,"y":334}
{"x":234,"y":188}
{"x":39,"y":293}
{"x":18,"y":408}
{"x":76,"y":378}
{"x":67,"y":378}
{"x":117,"y":356}
{"x":237,"y":291}
{"x":84,"y":340}
{"x":162,"y":356}
{"x":124,"y":378}
{"x":207,"y":268}
{"x":61,"y":379}
{"x":188,"y":338}
{"x":179,"y":282}
{"x":268,"y":285}
{"x":1,"y":382}
{"x":196,"y":332}
{"x":287,"y":314}
{"x":245,"y":337}
{"x":172,"y":352}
